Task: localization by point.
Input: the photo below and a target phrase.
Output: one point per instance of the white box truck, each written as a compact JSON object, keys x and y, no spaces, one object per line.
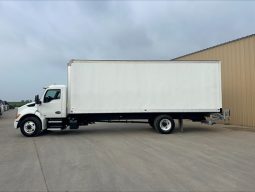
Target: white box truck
{"x":156,"y":92}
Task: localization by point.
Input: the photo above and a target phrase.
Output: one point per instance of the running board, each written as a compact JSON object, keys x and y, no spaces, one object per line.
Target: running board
{"x":55,"y":124}
{"x":54,"y":129}
{"x":52,"y":121}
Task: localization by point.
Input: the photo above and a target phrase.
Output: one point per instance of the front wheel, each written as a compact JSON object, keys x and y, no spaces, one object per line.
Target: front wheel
{"x":164,"y":124}
{"x":30,"y":127}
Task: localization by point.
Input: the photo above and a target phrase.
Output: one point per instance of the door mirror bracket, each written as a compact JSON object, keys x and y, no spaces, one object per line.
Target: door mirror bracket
{"x":37,"y":100}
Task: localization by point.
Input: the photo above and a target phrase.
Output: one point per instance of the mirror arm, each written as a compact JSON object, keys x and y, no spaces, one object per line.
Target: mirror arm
{"x":37,"y":100}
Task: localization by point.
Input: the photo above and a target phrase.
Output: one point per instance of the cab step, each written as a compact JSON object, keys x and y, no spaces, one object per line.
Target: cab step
{"x":55,"y":124}
{"x":54,"y":129}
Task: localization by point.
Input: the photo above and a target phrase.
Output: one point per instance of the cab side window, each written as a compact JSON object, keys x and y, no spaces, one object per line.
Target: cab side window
{"x":51,"y":94}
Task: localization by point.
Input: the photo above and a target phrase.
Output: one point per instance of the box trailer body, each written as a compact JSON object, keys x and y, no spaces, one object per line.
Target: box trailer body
{"x":143,"y":86}
{"x":122,"y":91}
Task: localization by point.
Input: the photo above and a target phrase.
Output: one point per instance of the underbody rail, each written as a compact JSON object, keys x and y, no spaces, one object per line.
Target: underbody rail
{"x":122,"y":121}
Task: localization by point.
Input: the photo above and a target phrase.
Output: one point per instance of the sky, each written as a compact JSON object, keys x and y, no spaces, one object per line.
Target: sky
{"x":39,"y":38}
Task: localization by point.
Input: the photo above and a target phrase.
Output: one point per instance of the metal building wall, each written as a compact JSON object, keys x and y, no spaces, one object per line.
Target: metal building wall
{"x":238,"y":77}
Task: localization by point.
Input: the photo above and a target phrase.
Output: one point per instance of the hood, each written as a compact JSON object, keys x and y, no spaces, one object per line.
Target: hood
{"x":32,"y":104}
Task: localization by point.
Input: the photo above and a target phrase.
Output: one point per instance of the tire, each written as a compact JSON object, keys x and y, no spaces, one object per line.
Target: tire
{"x":164,"y":124}
{"x":31,"y":127}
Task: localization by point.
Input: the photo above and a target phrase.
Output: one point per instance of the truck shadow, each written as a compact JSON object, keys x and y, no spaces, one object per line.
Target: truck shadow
{"x":103,"y":130}
{"x":132,"y":130}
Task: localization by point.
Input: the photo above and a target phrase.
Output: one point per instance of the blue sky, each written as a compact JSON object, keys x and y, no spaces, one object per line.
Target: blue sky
{"x":38,"y":38}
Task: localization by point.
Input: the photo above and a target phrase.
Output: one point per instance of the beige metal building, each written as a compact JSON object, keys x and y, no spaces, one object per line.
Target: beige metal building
{"x":238,"y":76}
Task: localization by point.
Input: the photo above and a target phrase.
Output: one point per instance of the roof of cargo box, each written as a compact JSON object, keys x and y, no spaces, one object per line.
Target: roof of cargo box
{"x":90,"y":61}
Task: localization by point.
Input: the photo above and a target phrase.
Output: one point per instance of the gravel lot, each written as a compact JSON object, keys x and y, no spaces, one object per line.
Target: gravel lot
{"x":128,"y":157}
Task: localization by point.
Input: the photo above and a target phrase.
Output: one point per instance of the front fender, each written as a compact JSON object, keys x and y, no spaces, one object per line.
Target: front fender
{"x":42,"y":118}
{"x":26,"y":112}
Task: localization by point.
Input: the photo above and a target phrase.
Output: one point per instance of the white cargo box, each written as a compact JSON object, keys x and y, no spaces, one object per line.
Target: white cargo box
{"x":144,"y":86}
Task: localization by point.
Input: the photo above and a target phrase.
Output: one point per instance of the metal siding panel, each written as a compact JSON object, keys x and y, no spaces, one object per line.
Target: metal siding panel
{"x":231,"y":73}
{"x":241,"y":84}
{"x":252,"y":65}
{"x":236,"y":88}
{"x":252,"y":85}
{"x":248,"y":93}
{"x":238,"y":77}
{"x":232,"y":104}
{"x":225,"y":76}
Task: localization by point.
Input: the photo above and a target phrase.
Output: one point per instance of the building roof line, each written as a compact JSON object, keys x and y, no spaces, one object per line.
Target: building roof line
{"x":227,"y":42}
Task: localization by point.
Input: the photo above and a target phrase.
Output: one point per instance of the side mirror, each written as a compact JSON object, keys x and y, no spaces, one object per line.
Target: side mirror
{"x":37,"y":100}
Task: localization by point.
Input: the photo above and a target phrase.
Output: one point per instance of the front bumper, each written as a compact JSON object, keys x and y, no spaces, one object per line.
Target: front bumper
{"x":16,"y":124}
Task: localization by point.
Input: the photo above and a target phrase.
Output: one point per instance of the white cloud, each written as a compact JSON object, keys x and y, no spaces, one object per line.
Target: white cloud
{"x":37,"y":39}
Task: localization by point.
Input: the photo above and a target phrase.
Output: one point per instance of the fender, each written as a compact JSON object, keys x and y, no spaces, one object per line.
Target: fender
{"x":28,"y":111}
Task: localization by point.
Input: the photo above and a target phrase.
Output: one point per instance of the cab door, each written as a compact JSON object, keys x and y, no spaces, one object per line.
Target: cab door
{"x":51,"y":104}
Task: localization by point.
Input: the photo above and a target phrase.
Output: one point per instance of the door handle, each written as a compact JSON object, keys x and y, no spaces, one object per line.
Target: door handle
{"x":58,"y":112}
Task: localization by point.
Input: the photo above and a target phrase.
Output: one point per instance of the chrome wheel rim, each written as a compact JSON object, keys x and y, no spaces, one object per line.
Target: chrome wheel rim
{"x":29,"y":127}
{"x":165,"y":124}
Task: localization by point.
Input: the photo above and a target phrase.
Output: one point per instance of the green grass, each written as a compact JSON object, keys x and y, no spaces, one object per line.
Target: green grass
{"x":17,"y":103}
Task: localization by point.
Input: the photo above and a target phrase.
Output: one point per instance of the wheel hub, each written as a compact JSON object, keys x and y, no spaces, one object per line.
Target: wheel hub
{"x":165,"y":124}
{"x":29,"y":127}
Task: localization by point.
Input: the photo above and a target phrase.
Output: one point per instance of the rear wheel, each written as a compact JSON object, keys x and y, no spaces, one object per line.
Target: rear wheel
{"x":30,"y":127}
{"x":164,"y":124}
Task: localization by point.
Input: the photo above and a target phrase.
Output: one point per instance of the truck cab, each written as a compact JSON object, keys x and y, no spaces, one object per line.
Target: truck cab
{"x":47,"y":112}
